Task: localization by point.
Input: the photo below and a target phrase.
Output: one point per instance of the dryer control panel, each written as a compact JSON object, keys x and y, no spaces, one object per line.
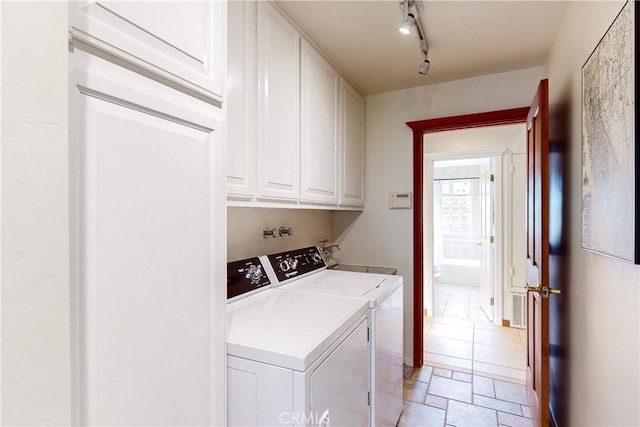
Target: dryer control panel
{"x":244,"y":276}
{"x":287,"y":265}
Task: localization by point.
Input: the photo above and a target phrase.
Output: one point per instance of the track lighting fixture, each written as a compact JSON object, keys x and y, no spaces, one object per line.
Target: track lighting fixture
{"x":426,"y":64}
{"x":410,"y":19}
{"x":407,"y":19}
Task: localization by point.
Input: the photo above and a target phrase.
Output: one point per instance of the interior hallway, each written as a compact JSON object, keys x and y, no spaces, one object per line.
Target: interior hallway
{"x":459,"y":336}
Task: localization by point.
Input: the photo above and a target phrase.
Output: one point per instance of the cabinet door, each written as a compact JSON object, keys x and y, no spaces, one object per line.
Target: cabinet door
{"x":241,"y":99}
{"x":149,"y":252}
{"x":278,"y":105}
{"x":319,"y":122}
{"x":180,"y":41}
{"x":352,"y":149}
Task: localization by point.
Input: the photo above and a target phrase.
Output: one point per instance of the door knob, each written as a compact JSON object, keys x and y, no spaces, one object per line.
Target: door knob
{"x":546,"y":291}
{"x":533,"y":288}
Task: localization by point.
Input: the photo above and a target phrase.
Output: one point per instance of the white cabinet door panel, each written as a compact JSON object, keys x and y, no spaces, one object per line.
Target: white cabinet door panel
{"x":241,"y":99}
{"x":352,"y":150}
{"x":278,"y":106}
{"x":148,"y":216}
{"x":319,"y":121}
{"x":181,"y":41}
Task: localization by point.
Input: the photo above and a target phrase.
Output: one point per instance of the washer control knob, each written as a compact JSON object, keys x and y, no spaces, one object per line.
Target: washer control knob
{"x":284,"y":265}
{"x":293,"y":263}
{"x":316,"y":258}
{"x":254,"y":273}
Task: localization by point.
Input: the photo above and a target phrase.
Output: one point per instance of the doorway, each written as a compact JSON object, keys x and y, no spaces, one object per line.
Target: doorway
{"x":463,"y":249}
{"x":474,"y":246}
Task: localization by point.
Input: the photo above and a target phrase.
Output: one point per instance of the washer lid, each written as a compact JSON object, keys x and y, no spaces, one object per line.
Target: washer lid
{"x":374,"y":287}
{"x":287,"y":328}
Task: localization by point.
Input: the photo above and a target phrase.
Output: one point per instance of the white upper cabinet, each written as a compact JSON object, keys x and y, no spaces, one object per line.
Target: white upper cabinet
{"x":352,"y":147}
{"x":319,"y":121}
{"x":278,"y":106}
{"x":182,"y":42}
{"x":295,"y":128}
{"x":241,"y":102}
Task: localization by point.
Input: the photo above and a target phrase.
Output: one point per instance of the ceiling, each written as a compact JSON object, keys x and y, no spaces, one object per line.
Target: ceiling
{"x":466,"y":38}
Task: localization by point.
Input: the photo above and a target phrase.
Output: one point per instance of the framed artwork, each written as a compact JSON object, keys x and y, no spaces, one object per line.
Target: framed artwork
{"x":609,"y":140}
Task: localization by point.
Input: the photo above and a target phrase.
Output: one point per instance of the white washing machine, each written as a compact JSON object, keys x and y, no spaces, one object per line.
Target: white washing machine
{"x":294,"y":358}
{"x":305,"y":270}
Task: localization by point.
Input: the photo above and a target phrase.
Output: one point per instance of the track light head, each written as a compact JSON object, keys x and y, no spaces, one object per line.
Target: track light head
{"x":424,"y":67}
{"x":406,"y":25}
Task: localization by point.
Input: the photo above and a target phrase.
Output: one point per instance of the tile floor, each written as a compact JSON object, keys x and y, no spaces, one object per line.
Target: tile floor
{"x":460,"y":337}
{"x":442,"y":397}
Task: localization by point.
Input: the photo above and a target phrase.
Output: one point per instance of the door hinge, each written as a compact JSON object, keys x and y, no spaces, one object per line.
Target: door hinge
{"x":493,"y":239}
{"x":368,"y":339}
{"x":513,"y":271}
{"x":513,"y":169}
{"x":493,"y":301}
{"x":369,"y":398}
{"x":493,"y":177}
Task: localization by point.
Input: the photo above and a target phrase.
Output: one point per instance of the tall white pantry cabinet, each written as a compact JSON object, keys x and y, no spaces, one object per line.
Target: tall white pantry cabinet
{"x":148,"y":212}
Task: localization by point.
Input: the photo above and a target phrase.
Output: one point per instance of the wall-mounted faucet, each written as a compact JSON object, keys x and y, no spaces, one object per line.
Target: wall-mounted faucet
{"x":327,"y":249}
{"x":288,"y":231}
{"x":277,"y":232}
{"x":269,"y":232}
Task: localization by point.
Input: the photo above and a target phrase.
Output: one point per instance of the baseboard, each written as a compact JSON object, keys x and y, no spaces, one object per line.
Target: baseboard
{"x":506,"y":323}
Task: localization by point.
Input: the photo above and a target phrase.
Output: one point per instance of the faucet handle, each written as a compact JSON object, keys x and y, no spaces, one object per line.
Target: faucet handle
{"x":282,"y":231}
{"x":269,"y":232}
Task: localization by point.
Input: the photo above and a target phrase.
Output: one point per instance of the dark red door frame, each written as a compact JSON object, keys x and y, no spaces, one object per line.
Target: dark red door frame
{"x":419,"y":128}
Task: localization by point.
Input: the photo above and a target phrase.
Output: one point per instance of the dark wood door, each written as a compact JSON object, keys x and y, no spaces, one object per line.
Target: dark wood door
{"x":538,"y":256}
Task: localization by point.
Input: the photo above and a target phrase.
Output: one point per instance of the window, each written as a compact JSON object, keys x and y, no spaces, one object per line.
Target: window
{"x":456,"y":208}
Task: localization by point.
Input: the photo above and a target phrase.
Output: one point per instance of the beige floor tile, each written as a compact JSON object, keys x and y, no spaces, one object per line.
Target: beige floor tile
{"x":449,"y":347}
{"x":465,"y":415}
{"x":508,"y":357}
{"x":505,"y":337}
{"x":511,"y":392}
{"x":414,"y":391}
{"x":499,"y":372}
{"x":477,"y":315}
{"x":456,"y":332}
{"x":456,"y":311}
{"x":460,"y":299}
{"x":514,"y":420}
{"x":523,"y":336}
{"x":499,"y":405}
{"x":483,"y":386}
{"x":455,"y":321}
{"x":415,"y":414}
{"x":422,"y":374}
{"x":450,"y":389}
{"x":436,"y":401}
{"x":463,"y":365}
{"x":487,"y":325}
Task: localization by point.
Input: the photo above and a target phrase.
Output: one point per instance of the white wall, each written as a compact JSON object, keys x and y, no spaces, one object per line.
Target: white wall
{"x":602,"y":295}
{"x":381,"y":236}
{"x":512,"y":137}
{"x":35,"y":355}
{"x":245,"y":225}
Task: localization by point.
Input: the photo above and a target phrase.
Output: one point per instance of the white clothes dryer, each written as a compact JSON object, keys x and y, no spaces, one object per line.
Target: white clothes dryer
{"x":305,"y":270}
{"x":293,"y":358}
